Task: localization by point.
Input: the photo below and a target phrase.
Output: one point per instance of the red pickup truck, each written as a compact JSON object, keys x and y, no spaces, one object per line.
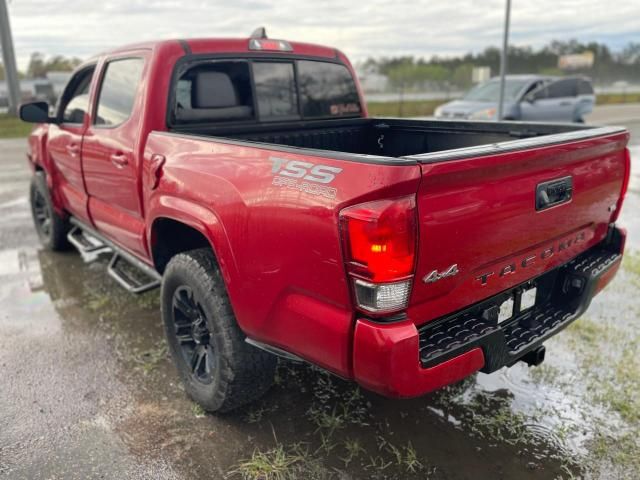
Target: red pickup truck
{"x":245,"y":178}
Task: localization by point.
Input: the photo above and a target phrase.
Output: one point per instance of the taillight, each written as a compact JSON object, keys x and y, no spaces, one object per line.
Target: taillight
{"x":380,"y":244}
{"x":625,"y":184}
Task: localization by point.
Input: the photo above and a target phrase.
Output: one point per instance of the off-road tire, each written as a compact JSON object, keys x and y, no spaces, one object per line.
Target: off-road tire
{"x":241,"y":373}
{"x":52,"y":229}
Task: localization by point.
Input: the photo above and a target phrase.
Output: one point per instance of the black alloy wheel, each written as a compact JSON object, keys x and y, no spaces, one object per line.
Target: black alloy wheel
{"x":193,"y":334}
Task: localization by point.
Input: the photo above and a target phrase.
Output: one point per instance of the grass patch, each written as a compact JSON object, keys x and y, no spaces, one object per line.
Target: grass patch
{"x":621,"y":394}
{"x":148,"y":360}
{"x":149,"y":300}
{"x":406,"y":457}
{"x":631,"y":262}
{"x":609,"y":355}
{"x":257,"y":413}
{"x":198,"y":411}
{"x":622,"y":453}
{"x":334,"y":408}
{"x":279,"y":463}
{"x":614,"y":98}
{"x":588,"y":333}
{"x":411,"y":108}
{"x":353,"y":450}
{"x":13,"y":127}
{"x":97,"y":303}
{"x":544,"y":373}
{"x":494,"y":420}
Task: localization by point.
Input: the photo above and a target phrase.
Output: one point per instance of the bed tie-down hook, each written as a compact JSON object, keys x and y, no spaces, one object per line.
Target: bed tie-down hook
{"x":381,"y":126}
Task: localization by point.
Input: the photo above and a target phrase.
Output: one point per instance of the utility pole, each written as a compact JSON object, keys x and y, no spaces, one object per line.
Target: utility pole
{"x":503,"y":60}
{"x":9,"y":59}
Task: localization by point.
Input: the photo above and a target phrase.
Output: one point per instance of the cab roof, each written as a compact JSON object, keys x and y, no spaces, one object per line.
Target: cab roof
{"x":227,"y":45}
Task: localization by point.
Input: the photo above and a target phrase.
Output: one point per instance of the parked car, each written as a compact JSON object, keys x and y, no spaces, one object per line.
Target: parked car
{"x":244,"y":178}
{"x":526,"y":97}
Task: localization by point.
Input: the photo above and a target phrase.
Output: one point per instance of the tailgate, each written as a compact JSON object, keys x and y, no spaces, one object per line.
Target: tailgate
{"x":493,"y":217}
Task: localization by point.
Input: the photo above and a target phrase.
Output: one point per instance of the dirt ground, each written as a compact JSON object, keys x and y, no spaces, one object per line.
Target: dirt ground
{"x":87,"y":389}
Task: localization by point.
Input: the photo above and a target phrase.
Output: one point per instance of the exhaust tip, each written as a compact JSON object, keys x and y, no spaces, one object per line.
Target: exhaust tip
{"x":535,"y":357}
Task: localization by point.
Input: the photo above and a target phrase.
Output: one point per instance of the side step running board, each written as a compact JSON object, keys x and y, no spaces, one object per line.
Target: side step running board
{"x":119,"y":273}
{"x":130,"y":272}
{"x":89,"y":246}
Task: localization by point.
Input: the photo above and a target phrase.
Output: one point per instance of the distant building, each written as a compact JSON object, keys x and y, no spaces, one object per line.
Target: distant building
{"x":46,"y":89}
{"x":480,"y":74}
{"x":372,"y":81}
{"x":576,"y":61}
{"x":58,"y":81}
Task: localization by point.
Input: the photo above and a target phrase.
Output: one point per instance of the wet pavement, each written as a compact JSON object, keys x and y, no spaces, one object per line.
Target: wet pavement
{"x":87,"y":389}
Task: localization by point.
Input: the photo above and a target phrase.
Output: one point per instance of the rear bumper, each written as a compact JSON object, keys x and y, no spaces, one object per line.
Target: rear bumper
{"x":402,"y":360}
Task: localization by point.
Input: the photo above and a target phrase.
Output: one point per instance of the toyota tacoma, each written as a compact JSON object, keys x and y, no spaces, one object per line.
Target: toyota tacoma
{"x":245,"y":178}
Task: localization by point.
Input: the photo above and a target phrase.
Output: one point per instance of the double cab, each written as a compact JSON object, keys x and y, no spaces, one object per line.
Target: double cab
{"x":245,"y":178}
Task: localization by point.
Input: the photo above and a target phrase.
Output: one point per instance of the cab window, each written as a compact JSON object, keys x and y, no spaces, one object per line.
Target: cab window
{"x":118,"y":91}
{"x":327,"y":90}
{"x":74,"y":102}
{"x":213,"y":92}
{"x":276,"y":93}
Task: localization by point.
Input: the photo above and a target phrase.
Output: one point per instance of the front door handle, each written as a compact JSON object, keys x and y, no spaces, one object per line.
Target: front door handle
{"x":565,"y":104}
{"x":119,"y":159}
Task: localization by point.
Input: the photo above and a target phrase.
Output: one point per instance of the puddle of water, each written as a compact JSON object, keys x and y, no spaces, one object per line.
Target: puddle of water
{"x":492,"y":422}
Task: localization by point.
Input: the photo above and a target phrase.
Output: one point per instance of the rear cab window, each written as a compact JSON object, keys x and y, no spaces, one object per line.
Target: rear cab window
{"x":263,"y":90}
{"x":326,"y":90}
{"x":276,"y":92}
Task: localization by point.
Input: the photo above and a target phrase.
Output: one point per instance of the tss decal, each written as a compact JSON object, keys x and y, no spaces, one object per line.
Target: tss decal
{"x":287,"y":173}
{"x":304,"y":170}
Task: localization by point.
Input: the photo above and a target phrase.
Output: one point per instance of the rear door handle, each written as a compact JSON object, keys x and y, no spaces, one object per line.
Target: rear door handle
{"x":73,"y":149}
{"x":119,"y":159}
{"x":565,"y":104}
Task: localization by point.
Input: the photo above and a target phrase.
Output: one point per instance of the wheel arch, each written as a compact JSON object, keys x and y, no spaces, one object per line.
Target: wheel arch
{"x":169,"y":236}
{"x":178,"y":225}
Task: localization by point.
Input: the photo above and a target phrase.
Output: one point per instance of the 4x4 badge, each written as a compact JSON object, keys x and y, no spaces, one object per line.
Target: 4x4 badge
{"x":436,"y":275}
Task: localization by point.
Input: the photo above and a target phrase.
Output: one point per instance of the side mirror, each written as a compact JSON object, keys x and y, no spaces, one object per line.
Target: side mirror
{"x":35,"y":112}
{"x":530,"y":98}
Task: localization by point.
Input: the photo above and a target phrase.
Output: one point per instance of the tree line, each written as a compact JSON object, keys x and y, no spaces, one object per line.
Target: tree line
{"x":39,"y":65}
{"x":407,"y":72}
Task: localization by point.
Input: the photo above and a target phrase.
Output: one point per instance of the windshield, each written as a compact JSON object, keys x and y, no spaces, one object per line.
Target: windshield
{"x":490,"y":91}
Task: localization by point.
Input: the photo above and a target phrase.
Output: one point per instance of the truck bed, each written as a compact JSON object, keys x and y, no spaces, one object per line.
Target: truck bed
{"x":421,"y":140}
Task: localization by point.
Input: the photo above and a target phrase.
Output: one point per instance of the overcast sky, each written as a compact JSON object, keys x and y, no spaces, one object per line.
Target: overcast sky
{"x":360,"y":28}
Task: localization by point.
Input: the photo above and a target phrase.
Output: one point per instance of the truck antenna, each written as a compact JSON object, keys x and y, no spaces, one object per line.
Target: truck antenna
{"x":259,"y":32}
